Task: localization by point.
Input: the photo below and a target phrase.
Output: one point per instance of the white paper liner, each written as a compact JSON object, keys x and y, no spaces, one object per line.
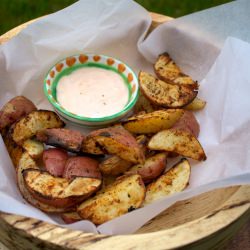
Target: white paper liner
{"x":116,"y":28}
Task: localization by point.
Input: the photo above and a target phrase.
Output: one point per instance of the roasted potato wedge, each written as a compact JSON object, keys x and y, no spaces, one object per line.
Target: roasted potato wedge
{"x":178,"y":141}
{"x":165,"y":94}
{"x":26,"y":162}
{"x":71,"y":140}
{"x":166,"y":70}
{"x":54,"y":161}
{"x":114,"y":165}
{"x":151,"y":169}
{"x":143,"y":105}
{"x":70,"y":217}
{"x":15,"y":109}
{"x":196,"y":104}
{"x":188,"y":123}
{"x":153,"y":122}
{"x":35,"y":121}
{"x":82,"y":166}
{"x":124,"y":195}
{"x":116,"y":141}
{"x":174,"y":180}
{"x":56,"y":191}
{"x":34,"y":148}
{"x":15,"y":151}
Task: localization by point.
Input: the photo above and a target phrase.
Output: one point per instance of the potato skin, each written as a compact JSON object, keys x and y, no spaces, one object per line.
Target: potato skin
{"x":151,"y":169}
{"x":81,"y":166}
{"x":71,"y":140}
{"x":188,"y":123}
{"x":54,"y":160}
{"x":15,"y":109}
{"x":70,"y":217}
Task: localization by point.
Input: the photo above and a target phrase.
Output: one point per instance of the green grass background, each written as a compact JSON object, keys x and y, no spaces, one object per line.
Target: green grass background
{"x":15,"y":12}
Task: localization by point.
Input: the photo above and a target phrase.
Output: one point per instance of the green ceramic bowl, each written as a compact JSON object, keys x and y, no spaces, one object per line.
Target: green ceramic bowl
{"x":72,"y":63}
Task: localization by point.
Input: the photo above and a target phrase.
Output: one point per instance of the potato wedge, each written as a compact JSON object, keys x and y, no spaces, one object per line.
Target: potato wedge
{"x":54,"y":161}
{"x":124,"y":195}
{"x":15,"y":109}
{"x":35,"y":121}
{"x":178,"y":141}
{"x":116,"y":141}
{"x":143,"y":105}
{"x":151,"y":169}
{"x":26,"y":162}
{"x":196,"y":104}
{"x":114,"y":165}
{"x":174,"y":180}
{"x":188,"y":123}
{"x":34,"y":148}
{"x":68,"y":139}
{"x":165,"y":94}
{"x":153,"y":122}
{"x":56,"y":191}
{"x":82,"y":166}
{"x":166,"y":70}
{"x":15,"y":151}
{"x":70,"y":217}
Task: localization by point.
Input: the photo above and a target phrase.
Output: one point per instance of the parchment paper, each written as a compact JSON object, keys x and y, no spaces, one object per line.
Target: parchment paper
{"x":117,"y":28}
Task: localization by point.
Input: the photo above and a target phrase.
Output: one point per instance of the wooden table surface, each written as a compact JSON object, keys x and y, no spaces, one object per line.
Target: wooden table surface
{"x":241,"y":241}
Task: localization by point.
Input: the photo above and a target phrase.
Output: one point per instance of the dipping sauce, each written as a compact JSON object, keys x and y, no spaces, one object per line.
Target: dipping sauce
{"x":92,"y":92}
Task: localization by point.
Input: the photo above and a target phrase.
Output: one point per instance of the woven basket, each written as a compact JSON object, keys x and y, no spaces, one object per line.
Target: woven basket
{"x":206,"y":221}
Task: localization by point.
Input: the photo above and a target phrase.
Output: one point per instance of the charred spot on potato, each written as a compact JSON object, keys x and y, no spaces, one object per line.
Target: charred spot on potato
{"x":105,"y":134}
{"x":131,"y":208}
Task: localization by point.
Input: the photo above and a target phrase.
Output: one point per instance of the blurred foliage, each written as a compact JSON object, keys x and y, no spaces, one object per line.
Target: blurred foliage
{"x":15,"y":12}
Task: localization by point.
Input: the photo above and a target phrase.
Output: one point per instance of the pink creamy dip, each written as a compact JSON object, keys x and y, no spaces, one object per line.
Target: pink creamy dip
{"x":92,"y":92}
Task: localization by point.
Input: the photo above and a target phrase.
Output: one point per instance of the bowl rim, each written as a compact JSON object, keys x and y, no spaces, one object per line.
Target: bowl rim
{"x":121,"y":113}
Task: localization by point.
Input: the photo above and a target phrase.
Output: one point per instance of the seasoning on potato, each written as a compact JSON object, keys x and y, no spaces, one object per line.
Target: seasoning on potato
{"x":124,"y":195}
{"x":178,"y":141}
{"x":174,"y":180}
{"x":35,"y":121}
{"x":116,"y":141}
{"x":153,"y":122}
{"x":166,"y":70}
{"x":165,"y":94}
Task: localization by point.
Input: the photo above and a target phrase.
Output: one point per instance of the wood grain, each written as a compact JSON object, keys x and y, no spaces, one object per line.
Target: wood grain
{"x":207,"y":221}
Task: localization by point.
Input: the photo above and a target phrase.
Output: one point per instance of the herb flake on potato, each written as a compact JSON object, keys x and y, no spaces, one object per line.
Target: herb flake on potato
{"x":178,"y":141}
{"x":165,"y":94}
{"x":174,"y":180}
{"x":167,"y":70}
